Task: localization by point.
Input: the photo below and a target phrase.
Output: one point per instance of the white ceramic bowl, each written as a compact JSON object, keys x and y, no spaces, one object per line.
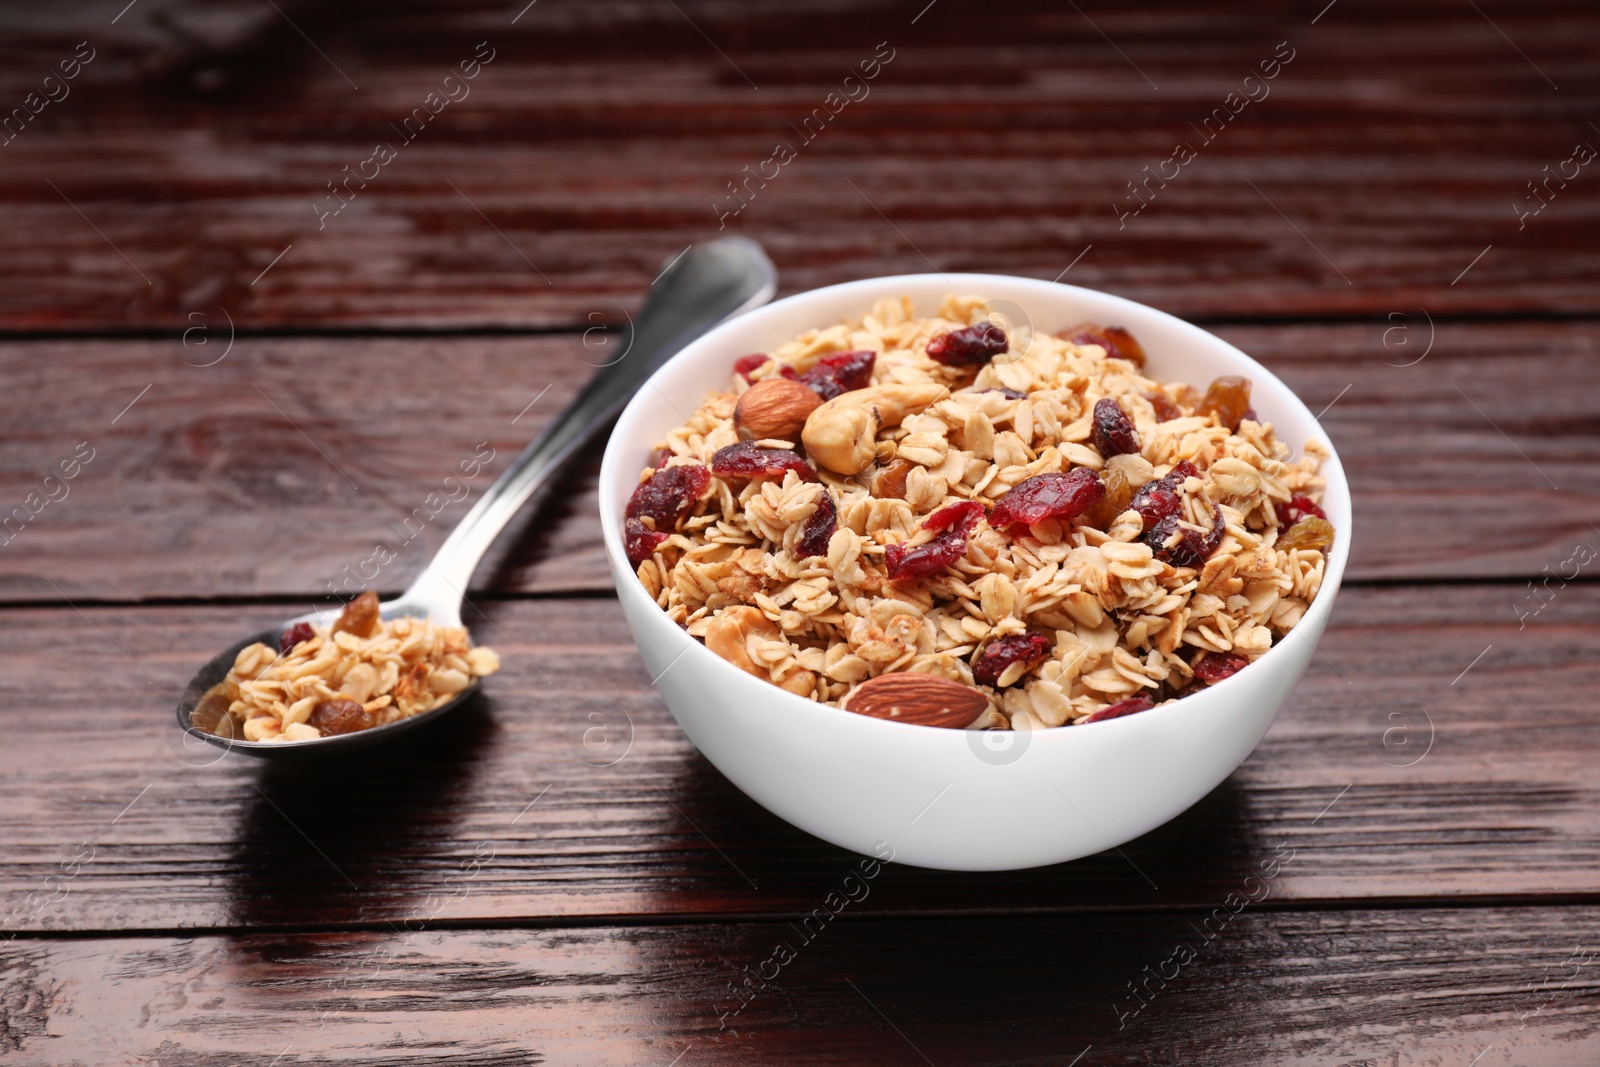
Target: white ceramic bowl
{"x":958,"y":799}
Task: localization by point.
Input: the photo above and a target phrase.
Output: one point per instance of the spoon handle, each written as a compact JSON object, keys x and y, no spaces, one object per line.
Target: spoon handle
{"x":702,"y":287}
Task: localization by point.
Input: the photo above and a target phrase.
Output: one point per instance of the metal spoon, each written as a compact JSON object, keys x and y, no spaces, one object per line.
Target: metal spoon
{"x":704,"y":286}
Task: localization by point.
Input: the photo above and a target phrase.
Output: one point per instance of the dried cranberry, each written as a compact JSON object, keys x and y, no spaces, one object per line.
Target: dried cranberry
{"x":841,"y":372}
{"x":639,"y":540}
{"x":658,"y":458}
{"x":300,"y":631}
{"x":1215,"y":666}
{"x":666,"y":498}
{"x":340,"y":717}
{"x":1118,"y":342}
{"x":1192,"y":548}
{"x":953,"y":525}
{"x":1158,"y":499}
{"x":970,"y":347}
{"x":1159,"y":504}
{"x":745,"y":366}
{"x":749,"y":460}
{"x":819,"y":528}
{"x":1047,"y":496}
{"x":1296,"y":509}
{"x":1031,"y":648}
{"x":1126,"y":706}
{"x":1114,"y":434}
{"x":1166,"y":408}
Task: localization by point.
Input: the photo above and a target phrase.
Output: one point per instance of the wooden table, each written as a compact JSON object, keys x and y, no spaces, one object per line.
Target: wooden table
{"x":250,"y":388}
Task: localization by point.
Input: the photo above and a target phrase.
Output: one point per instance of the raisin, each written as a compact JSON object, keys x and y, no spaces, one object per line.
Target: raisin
{"x":819,"y":528}
{"x":891,"y":480}
{"x":1213,"y":667}
{"x":1309,"y":533}
{"x":1008,"y":393}
{"x":1192,"y":548}
{"x":1115,"y":501}
{"x":1127,"y":706}
{"x":745,"y":366}
{"x":300,"y":631}
{"x":340,"y":717}
{"x":970,"y":347}
{"x":665,"y":498}
{"x":1157,"y":499}
{"x":1296,"y":509}
{"x":1118,"y":342}
{"x":1228,"y":398}
{"x":1032,"y":648}
{"x":359,"y":617}
{"x":1166,"y":408}
{"x":841,"y":372}
{"x":1047,"y":496}
{"x":1113,"y":433}
{"x":953,"y":526}
{"x":749,"y":460}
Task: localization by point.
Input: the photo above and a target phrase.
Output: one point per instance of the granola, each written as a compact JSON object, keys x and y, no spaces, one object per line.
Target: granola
{"x":357,"y":673}
{"x":1027,"y":514}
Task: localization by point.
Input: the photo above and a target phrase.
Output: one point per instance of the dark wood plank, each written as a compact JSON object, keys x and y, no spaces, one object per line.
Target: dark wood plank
{"x":269,"y":475}
{"x":1391,"y":152}
{"x":1414,"y":762}
{"x":1369,"y":987}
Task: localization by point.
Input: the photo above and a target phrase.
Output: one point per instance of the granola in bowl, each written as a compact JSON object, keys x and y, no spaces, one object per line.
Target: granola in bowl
{"x":940,"y":521}
{"x":359,"y":672}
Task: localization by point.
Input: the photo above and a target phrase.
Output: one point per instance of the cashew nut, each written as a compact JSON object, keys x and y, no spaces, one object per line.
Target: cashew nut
{"x":729,"y":637}
{"x":729,"y":630}
{"x":842,"y":434}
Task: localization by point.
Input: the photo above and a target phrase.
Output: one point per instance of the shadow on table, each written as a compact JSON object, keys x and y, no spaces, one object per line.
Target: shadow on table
{"x":341,"y":840}
{"x":1198,"y":858}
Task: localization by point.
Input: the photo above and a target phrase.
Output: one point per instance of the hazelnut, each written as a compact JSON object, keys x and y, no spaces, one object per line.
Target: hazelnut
{"x":774,"y":409}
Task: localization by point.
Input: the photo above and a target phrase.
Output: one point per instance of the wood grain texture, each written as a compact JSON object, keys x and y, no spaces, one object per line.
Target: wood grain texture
{"x":280,"y":469}
{"x":1413,"y":762}
{"x":1510,"y":986}
{"x":554,"y":875}
{"x":199,"y":145}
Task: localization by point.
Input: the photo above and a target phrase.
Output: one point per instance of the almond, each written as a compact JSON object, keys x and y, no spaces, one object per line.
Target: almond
{"x":917,"y":698}
{"x":774,"y":409}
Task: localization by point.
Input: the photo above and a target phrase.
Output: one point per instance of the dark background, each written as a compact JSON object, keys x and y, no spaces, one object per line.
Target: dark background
{"x":261,"y":398}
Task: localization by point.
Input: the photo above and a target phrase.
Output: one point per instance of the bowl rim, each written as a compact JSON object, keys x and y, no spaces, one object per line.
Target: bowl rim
{"x":1332,"y":470}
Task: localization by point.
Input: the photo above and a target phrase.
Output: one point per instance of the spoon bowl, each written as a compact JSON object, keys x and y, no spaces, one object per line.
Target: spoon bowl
{"x":210,"y":720}
{"x":699,"y":289}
